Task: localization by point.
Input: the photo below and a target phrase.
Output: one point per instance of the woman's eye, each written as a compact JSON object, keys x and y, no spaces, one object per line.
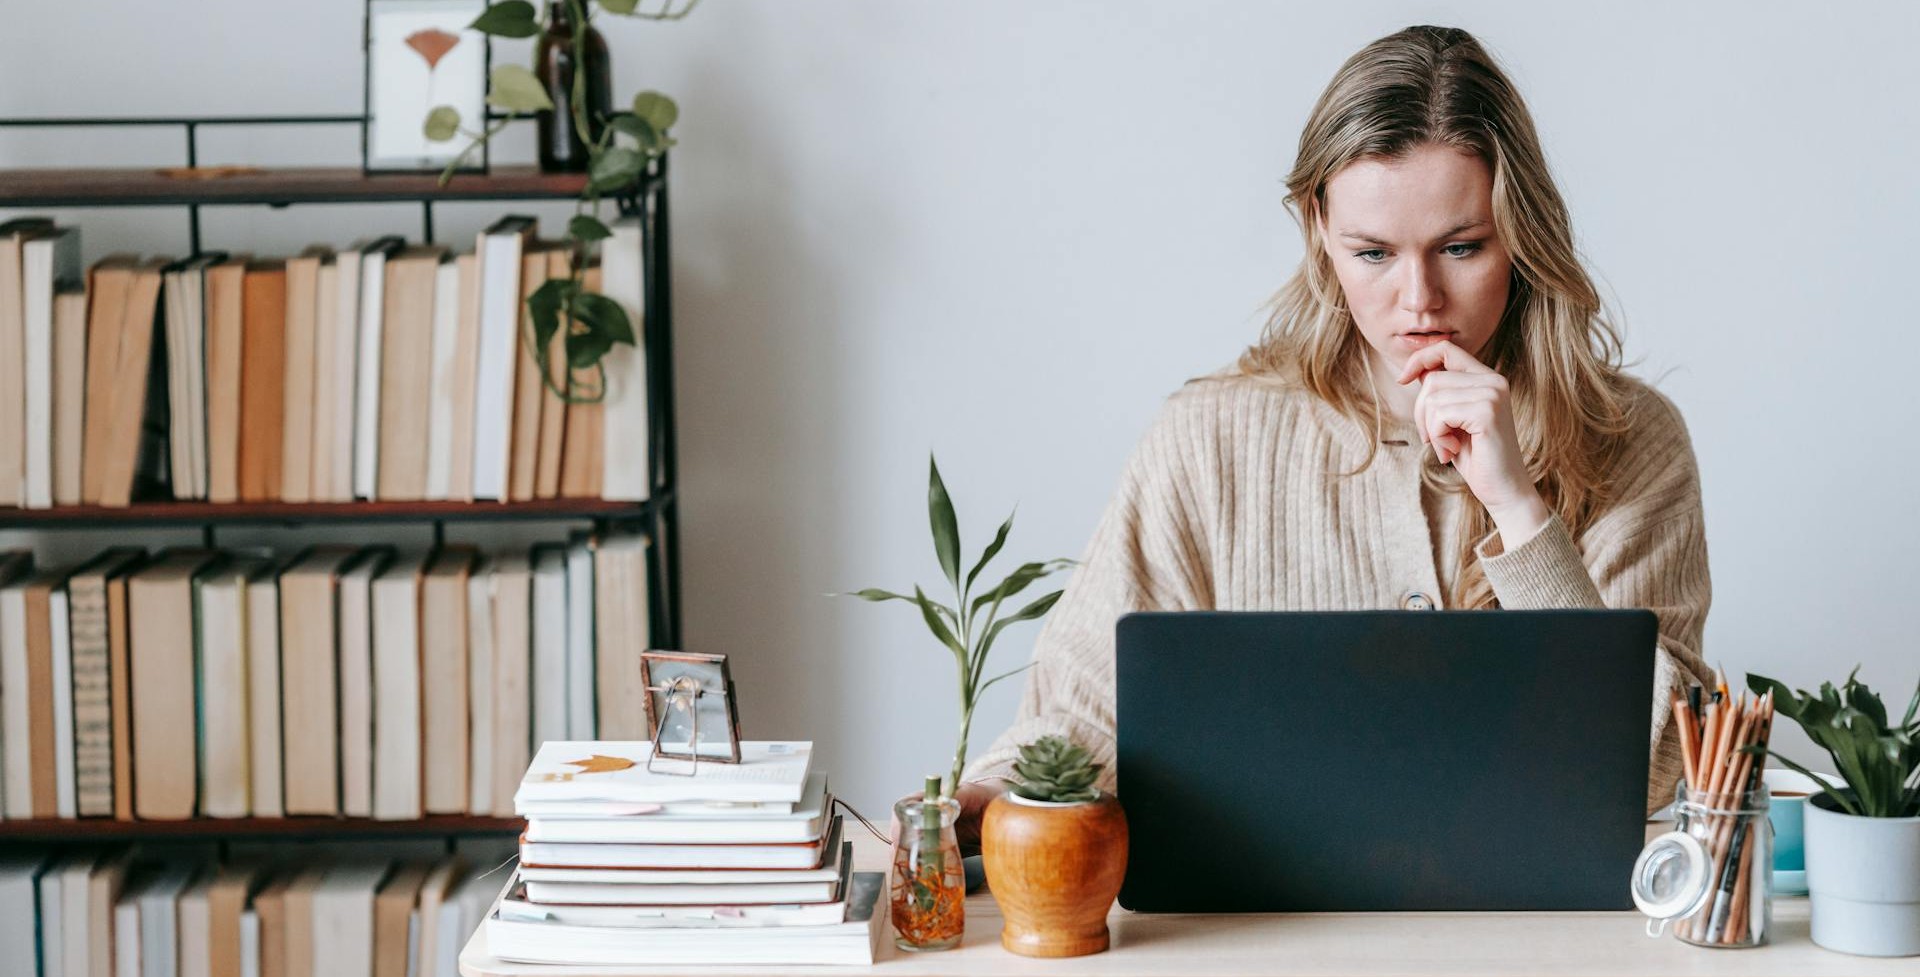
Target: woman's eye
{"x":1462,"y":250}
{"x":1372,"y":256}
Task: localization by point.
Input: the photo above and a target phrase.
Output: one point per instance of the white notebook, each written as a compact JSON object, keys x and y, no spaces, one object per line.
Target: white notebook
{"x":813,"y":903}
{"x":617,"y":771}
{"x":853,"y":942}
{"x":553,"y":855}
{"x":805,"y":822}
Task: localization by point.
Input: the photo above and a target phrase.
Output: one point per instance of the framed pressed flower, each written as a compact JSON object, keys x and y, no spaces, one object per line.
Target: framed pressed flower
{"x":420,"y":55}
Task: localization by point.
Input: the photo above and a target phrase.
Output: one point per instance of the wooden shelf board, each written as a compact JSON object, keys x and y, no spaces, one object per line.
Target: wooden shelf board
{"x":104,"y":829}
{"x":294,"y":513}
{"x":154,"y":187}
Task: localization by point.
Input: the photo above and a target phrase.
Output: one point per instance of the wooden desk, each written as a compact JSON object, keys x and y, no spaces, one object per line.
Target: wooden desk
{"x":1336,"y":945}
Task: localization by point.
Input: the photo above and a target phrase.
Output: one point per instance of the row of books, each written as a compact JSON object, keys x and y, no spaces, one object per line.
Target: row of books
{"x":630,"y":859}
{"x":382,"y":371}
{"x":116,"y":911}
{"x":347,"y":681}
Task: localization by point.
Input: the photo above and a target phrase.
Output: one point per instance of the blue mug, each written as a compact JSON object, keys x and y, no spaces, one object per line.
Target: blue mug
{"x":1787,"y":792}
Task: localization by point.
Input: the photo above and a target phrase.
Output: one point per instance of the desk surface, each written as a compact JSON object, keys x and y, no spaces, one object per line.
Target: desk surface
{"x":1342,"y":944}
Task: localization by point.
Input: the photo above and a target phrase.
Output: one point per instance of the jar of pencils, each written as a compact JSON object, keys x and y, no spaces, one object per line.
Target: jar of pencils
{"x":1711,"y":878}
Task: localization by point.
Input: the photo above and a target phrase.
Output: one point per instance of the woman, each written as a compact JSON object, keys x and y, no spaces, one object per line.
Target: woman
{"x":1435,"y":416}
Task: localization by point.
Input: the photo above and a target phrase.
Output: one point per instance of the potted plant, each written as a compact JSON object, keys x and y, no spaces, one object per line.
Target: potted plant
{"x":1056,"y":852}
{"x":1863,"y":840}
{"x":928,"y":886}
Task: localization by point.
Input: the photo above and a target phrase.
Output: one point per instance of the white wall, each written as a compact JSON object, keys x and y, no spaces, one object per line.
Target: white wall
{"x":1003,"y":231}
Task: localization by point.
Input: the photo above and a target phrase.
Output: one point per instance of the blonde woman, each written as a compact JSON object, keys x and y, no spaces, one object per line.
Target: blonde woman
{"x":1435,"y":416}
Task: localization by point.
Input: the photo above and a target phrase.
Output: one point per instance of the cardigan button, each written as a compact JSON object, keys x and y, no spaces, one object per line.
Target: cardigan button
{"x":1417,"y":601}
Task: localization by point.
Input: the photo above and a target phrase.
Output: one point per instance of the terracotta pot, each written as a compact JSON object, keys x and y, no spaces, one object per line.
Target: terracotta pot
{"x":1055,"y":870}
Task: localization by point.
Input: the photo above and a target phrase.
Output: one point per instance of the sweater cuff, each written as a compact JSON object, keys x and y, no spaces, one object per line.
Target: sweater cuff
{"x":1544,"y":572}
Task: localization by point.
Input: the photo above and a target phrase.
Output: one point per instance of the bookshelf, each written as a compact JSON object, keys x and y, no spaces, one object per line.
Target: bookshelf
{"x":24,"y":189}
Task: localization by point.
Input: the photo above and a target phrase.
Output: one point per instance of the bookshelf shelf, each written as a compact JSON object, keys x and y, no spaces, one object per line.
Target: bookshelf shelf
{"x":155,"y":187}
{"x":304,"y":513}
{"x":107,"y":829}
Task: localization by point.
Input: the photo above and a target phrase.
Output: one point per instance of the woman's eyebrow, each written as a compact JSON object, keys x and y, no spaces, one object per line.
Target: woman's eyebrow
{"x":1465,"y":225}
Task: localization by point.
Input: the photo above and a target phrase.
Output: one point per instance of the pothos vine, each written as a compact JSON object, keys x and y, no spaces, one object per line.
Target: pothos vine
{"x":596,"y":323}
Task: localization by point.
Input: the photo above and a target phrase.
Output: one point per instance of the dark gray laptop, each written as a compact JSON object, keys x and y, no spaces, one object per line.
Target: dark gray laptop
{"x":1383,"y":760}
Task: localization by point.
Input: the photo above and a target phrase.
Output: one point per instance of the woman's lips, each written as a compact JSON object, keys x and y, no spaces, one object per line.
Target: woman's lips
{"x":1420,"y":340}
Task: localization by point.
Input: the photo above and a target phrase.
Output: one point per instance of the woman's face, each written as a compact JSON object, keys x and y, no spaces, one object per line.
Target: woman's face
{"x":1413,"y":244}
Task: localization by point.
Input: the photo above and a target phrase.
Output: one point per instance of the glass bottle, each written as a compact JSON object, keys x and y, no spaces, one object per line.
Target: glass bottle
{"x":561,"y":147}
{"x":929,"y":888}
{"x":1711,"y":878}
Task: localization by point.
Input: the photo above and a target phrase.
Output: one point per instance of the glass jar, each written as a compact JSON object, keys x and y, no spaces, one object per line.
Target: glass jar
{"x":929,"y":885}
{"x":1711,"y":878}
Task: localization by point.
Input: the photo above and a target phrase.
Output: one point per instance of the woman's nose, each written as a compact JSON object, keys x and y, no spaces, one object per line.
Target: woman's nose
{"x":1418,"y":291}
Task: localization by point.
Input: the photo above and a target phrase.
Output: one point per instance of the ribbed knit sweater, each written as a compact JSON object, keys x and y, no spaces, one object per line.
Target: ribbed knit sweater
{"x":1234,"y":500}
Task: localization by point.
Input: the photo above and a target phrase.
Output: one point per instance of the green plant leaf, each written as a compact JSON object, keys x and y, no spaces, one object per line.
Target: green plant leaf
{"x":619,"y":6}
{"x":988,"y":684}
{"x":946,"y":526}
{"x":544,"y":307}
{"x":1019,"y":580}
{"x":585,"y":227}
{"x":515,"y":89}
{"x":641,"y":131}
{"x":616,"y":167}
{"x":658,"y":110}
{"x":939,"y":627}
{"x":606,"y":316}
{"x":509,"y":18}
{"x":875,"y":594}
{"x":443,"y":123}
{"x":992,"y":550}
{"x":1027,"y":613}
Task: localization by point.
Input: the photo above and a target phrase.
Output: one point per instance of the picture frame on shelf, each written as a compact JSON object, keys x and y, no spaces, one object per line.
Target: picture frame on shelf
{"x":693,"y":712}
{"x":420,"y":54}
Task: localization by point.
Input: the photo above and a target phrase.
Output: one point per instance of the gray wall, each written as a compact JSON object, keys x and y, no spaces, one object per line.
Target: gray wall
{"x":1003,"y":231}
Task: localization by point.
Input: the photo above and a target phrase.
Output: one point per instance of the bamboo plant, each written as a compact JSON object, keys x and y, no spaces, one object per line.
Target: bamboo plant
{"x":969,"y":626}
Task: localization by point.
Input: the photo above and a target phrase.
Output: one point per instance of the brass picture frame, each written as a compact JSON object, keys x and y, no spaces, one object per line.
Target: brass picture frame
{"x":693,"y":713}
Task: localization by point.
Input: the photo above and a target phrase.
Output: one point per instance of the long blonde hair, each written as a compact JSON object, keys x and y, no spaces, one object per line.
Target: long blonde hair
{"x":1562,"y":360}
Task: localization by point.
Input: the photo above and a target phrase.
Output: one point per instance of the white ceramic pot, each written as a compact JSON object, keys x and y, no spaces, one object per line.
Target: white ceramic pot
{"x":1863,"y":876}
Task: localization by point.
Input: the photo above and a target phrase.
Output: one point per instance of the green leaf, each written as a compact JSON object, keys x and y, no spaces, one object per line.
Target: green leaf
{"x":946,"y":526}
{"x":641,"y":131}
{"x":992,"y":550}
{"x":605,"y":316}
{"x":875,"y":594}
{"x":938,"y":626}
{"x":1027,"y":613}
{"x":1018,"y":581}
{"x":619,"y":6}
{"x":515,"y":89}
{"x":585,"y":227}
{"x":443,"y":123}
{"x":509,"y":18}
{"x":988,"y":684}
{"x":544,"y":307}
{"x":615,"y":168}
{"x":658,"y":110}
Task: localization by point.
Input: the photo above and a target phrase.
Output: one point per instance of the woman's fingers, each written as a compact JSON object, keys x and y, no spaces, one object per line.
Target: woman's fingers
{"x":1440,"y":356}
{"x":1449,"y":418}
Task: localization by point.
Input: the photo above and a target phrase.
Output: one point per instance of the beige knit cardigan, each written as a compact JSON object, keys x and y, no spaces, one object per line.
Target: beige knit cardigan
{"x":1234,"y":500}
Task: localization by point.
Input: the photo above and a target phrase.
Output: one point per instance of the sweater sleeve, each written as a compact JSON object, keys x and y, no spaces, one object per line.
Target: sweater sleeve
{"x":1647,"y":550}
{"x":1146,"y":554}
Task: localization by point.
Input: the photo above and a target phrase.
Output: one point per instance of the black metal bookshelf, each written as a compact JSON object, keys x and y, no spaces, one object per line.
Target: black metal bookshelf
{"x":194,"y":188}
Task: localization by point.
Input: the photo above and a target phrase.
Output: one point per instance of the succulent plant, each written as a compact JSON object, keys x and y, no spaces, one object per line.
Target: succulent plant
{"x":1053,"y":768}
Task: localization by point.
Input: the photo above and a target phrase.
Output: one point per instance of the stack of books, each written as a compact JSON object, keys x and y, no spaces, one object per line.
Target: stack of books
{"x":382,"y":371}
{"x":714,"y":863}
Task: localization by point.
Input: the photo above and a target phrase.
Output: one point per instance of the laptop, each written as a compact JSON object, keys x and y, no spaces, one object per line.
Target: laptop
{"x":1383,"y":760}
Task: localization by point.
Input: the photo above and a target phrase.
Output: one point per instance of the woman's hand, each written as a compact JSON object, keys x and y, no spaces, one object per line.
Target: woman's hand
{"x":1464,"y":412}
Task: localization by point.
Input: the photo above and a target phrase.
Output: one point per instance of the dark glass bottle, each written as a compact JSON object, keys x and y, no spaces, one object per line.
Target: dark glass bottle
{"x":561,"y":145}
